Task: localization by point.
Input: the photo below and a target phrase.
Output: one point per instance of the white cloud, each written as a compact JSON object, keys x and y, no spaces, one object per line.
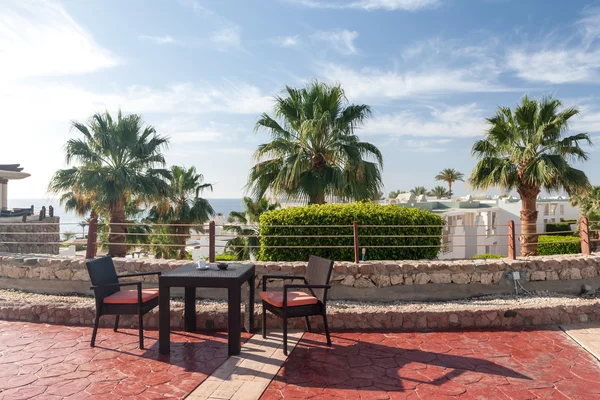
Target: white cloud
{"x":448,"y":121}
{"x":167,"y":39}
{"x":559,"y":60}
{"x":41,"y":39}
{"x":341,"y":40}
{"x":407,"y":5}
{"x":372,"y":83}
{"x":425,"y":146}
{"x":286,"y":41}
{"x":587,"y":121}
{"x":226,"y":38}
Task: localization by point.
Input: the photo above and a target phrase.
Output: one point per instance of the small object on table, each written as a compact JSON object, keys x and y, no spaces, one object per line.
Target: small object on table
{"x":202,"y":264}
{"x":222,"y":266}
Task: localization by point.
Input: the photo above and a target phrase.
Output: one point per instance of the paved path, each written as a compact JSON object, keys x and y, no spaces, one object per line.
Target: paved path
{"x":246,"y":376}
{"x":51,"y":362}
{"x":587,"y":335}
{"x":526,"y":364}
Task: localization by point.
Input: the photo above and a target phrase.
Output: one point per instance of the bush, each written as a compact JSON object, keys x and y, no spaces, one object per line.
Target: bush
{"x":562,"y":228}
{"x":486,"y":255}
{"x":569,"y":221}
{"x":553,"y":244}
{"x":226,"y":257}
{"x":324,"y":216}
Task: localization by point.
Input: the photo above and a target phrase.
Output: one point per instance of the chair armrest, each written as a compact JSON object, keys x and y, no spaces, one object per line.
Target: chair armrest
{"x":138,"y":274}
{"x":281,"y":277}
{"x":296,"y":286}
{"x":138,"y":283}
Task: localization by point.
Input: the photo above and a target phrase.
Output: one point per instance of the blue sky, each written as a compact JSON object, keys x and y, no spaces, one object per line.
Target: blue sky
{"x":202,"y":71}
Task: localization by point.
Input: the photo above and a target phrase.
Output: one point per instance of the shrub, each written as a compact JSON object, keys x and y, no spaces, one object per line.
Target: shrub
{"x":553,"y":244}
{"x":486,"y":255}
{"x":274,"y":226}
{"x":562,"y":228}
{"x":226,"y":257}
{"x":569,"y":220}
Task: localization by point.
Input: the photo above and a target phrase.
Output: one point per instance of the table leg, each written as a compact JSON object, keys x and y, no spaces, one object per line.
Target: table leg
{"x":164,"y":320}
{"x":190,"y":309}
{"x":233,"y":322}
{"x":249,"y":314}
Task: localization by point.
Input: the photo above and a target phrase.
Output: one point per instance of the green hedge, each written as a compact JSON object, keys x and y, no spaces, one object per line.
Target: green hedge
{"x":273,"y":225}
{"x":562,"y":227}
{"x":553,"y":244}
{"x":486,"y":255}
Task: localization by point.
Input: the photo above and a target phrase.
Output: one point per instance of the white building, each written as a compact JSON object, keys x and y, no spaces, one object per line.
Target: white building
{"x":481,"y":226}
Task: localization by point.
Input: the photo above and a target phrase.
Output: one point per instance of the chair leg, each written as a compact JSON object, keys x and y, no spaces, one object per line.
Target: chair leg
{"x":96,"y":323}
{"x":116,"y":324}
{"x":326,"y":329}
{"x":285,"y":336}
{"x":307,"y":324}
{"x":141,"y":328}
{"x":264,"y":322}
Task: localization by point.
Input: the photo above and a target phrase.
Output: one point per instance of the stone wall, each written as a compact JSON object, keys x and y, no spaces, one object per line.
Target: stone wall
{"x":36,"y":231}
{"x":373,"y":281}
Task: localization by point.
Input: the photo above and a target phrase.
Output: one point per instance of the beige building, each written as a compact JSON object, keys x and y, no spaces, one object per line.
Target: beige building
{"x":9,"y":172}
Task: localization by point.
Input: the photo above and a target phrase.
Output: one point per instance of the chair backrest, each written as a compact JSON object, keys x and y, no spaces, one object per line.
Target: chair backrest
{"x":318,"y":272}
{"x":102,"y":271}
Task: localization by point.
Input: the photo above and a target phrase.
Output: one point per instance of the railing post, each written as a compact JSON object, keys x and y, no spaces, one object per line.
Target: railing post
{"x":211,"y":242}
{"x":356,"y":247}
{"x":584,"y":234}
{"x":512,"y":253}
{"x":92,"y":239}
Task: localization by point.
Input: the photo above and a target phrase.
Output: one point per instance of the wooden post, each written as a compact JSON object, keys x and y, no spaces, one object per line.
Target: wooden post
{"x":512,"y":253}
{"x":92,"y":239}
{"x":356,"y":247}
{"x":211,"y":242}
{"x":584,"y":234}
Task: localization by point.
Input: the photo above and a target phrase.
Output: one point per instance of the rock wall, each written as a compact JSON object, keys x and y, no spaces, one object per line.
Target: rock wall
{"x":374,"y":281}
{"x":35,"y":231}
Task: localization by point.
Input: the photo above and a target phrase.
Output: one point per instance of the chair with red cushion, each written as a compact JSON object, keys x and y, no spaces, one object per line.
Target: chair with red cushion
{"x":112,"y":300}
{"x":293,"y":303}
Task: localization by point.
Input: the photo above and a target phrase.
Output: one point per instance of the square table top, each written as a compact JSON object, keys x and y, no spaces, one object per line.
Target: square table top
{"x":235,"y":271}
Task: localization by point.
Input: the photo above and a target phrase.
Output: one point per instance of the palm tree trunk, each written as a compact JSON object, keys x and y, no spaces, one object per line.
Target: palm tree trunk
{"x":319,"y":197}
{"x":529,"y":215}
{"x":450,"y":189}
{"x":116,"y":230}
{"x":182,"y":239}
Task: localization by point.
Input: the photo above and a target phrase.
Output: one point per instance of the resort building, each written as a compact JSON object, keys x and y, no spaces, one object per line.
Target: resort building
{"x":9,"y":172}
{"x":477,"y":226}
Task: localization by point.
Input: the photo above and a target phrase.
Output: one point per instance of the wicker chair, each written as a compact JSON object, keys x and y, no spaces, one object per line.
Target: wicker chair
{"x":294,"y":304}
{"x":111,"y":300}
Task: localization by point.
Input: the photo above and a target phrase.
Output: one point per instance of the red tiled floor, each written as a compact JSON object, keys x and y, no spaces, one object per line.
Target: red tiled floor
{"x":528,"y":364}
{"x":39,"y":361}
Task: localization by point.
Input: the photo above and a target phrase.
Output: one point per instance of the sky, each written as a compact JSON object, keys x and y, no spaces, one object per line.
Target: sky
{"x":202,"y":72}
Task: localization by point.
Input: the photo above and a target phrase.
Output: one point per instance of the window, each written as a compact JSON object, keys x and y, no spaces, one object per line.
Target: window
{"x":552,"y":209}
{"x":562,"y":209}
{"x":546,"y":209}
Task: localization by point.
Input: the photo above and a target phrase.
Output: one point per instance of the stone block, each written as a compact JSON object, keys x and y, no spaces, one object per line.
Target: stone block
{"x":363,"y":282}
{"x":440,"y":277}
{"x":348,"y":280}
{"x":421,"y":278}
{"x":396,"y":280}
{"x":460,"y":278}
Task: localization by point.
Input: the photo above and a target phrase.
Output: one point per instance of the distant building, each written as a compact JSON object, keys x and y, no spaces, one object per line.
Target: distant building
{"x":481,"y":226}
{"x":9,"y":172}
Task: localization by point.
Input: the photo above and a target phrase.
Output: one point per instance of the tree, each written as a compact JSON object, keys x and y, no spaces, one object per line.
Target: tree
{"x":395,"y":193}
{"x":588,"y":200}
{"x":528,"y":150}
{"x":313,"y":150}
{"x":418,"y":190}
{"x":439,"y":192}
{"x":450,"y":175}
{"x":246,"y":239}
{"x":117,"y":164}
{"x":181,"y":205}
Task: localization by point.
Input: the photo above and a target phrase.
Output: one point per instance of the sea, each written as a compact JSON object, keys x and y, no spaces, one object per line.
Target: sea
{"x":69,"y":220}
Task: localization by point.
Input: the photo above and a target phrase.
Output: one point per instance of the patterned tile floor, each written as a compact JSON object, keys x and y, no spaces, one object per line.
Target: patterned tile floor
{"x":39,"y":361}
{"x":527,"y":364}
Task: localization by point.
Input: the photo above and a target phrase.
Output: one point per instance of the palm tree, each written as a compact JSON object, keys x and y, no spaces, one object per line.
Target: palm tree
{"x":418,"y":190}
{"x":395,"y":193}
{"x":527,"y":150}
{"x":182,"y":205}
{"x":450,"y":175}
{"x":439,"y":192}
{"x":116,"y":164}
{"x":246,"y":241}
{"x":313,"y":150}
{"x":588,"y":200}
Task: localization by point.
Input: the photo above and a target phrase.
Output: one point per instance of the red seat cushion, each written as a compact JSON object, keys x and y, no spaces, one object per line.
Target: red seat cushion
{"x":131,"y":296}
{"x":293,"y":298}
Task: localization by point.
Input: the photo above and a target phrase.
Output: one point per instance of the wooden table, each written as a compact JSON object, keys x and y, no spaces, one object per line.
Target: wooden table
{"x":190,"y":278}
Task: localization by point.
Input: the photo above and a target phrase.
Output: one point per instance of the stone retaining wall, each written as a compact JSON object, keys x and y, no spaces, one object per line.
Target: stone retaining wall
{"x":373,"y":281}
{"x":49,"y":226}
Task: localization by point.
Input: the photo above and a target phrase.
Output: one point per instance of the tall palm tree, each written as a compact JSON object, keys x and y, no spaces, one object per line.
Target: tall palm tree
{"x":439,"y":192}
{"x":418,"y":190}
{"x":313,"y":150}
{"x":245,"y":229}
{"x":182,"y":205}
{"x":450,"y":175}
{"x":527,"y":149}
{"x":117,"y":163}
{"x":588,"y":200}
